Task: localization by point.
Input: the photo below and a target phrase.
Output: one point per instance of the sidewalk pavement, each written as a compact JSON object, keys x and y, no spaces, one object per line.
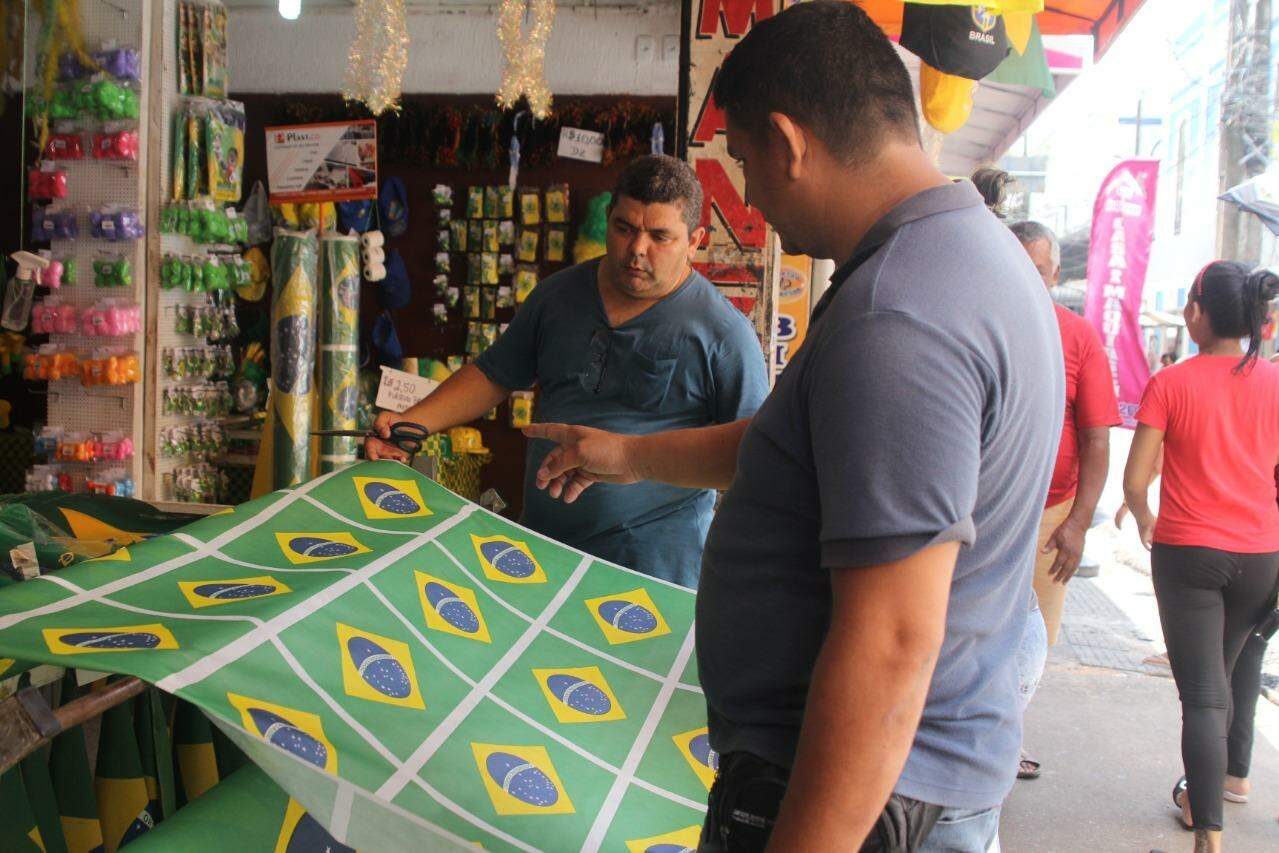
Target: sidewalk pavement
{"x":1106,"y":725}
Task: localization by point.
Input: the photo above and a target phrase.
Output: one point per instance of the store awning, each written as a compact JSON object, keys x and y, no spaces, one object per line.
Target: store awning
{"x":1101,"y":19}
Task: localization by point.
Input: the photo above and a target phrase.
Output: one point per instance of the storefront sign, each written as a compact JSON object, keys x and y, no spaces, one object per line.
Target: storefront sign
{"x":333,"y":161}
{"x":794,"y":291}
{"x":736,"y":255}
{"x":578,"y":144}
{"x":399,"y":390}
{"x":1118,"y":254}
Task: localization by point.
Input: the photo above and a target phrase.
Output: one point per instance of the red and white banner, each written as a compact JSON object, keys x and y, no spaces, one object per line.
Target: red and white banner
{"x":1123,"y":225}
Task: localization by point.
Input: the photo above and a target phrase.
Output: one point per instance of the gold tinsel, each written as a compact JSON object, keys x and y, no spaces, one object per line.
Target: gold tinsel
{"x":379,"y":54}
{"x":523,"y":75}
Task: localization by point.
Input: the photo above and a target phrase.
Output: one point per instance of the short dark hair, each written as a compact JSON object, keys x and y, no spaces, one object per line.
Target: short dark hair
{"x":1029,"y":231}
{"x":660,"y":179}
{"x":1237,"y":300}
{"x":828,"y":66}
{"x":992,"y":182}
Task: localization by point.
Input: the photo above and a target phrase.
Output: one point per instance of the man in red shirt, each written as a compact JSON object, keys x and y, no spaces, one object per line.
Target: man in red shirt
{"x":1083,"y":456}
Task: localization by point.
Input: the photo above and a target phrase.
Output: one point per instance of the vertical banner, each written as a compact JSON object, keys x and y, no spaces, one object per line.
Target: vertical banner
{"x":737,"y":254}
{"x":294,"y":270}
{"x":1123,"y":224}
{"x":794,"y":295}
{"x":338,"y":344}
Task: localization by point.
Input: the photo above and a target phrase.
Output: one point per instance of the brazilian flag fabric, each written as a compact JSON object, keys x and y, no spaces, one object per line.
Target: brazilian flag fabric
{"x":40,"y":796}
{"x":119,"y":785}
{"x":414,"y":671}
{"x":73,"y":783}
{"x":19,"y":830}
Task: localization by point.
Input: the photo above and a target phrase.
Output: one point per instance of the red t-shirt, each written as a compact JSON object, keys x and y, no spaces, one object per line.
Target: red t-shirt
{"x":1221,"y":443}
{"x":1090,"y":398}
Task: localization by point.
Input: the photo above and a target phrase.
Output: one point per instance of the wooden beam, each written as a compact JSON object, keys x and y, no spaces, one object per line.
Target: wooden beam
{"x":27,"y":722}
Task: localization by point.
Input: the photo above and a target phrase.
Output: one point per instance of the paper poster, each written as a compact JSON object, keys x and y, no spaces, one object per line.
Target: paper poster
{"x":331,"y":161}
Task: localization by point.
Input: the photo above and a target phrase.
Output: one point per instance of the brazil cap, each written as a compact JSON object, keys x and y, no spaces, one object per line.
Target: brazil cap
{"x":966,"y":41}
{"x":946,"y":100}
{"x":355,"y":215}
{"x":393,"y":207}
{"x":396,"y":291}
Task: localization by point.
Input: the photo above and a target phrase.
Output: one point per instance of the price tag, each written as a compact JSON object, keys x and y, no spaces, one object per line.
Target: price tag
{"x":399,"y":390}
{"x":578,"y":144}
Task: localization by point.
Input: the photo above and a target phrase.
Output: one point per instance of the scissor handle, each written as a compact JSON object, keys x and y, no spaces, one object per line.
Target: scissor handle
{"x":409,"y":437}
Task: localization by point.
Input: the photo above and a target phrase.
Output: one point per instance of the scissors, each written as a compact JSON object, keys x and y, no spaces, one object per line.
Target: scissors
{"x":406,"y":435}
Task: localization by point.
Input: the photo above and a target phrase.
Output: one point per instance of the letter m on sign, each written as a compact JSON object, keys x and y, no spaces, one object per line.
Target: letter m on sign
{"x":736,"y":16}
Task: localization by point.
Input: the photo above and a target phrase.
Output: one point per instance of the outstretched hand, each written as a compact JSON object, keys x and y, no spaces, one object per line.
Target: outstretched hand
{"x":583,"y":457}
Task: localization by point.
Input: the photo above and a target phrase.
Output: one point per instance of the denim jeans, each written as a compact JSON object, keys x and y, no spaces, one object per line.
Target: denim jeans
{"x":964,"y":831}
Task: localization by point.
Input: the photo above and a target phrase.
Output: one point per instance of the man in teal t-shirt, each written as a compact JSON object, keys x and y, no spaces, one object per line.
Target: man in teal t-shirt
{"x":634,"y":342}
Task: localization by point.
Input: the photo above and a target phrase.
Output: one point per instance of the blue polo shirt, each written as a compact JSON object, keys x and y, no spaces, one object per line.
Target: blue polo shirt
{"x":691,"y":360}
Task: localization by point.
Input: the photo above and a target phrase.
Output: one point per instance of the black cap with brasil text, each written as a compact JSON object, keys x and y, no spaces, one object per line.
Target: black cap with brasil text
{"x":966,"y":41}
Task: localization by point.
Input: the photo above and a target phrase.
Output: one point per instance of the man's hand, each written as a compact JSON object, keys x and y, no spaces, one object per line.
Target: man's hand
{"x":584,"y":457}
{"x":1068,"y":541}
{"x":377,"y":448}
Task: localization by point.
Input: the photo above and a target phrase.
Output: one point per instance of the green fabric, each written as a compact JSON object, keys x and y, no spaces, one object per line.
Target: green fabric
{"x":1029,"y":69}
{"x":248,"y":812}
{"x":73,"y":783}
{"x":339,"y":337}
{"x":155,"y":750}
{"x":294,"y":270}
{"x":118,"y":782}
{"x":40,"y":796}
{"x":18,"y":830}
{"x":372,"y":628}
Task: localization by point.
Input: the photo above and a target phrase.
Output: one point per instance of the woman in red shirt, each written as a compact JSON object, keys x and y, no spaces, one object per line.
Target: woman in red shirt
{"x":1215,"y":544}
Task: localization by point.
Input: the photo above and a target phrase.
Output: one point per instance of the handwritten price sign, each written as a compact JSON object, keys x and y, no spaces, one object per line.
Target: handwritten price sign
{"x":578,"y":144}
{"x":399,"y":390}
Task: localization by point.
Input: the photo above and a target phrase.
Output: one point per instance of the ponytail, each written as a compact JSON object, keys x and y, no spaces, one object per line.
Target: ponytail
{"x":1259,"y":290}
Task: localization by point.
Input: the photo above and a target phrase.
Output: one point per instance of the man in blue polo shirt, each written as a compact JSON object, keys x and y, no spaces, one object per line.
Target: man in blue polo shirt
{"x":635,"y":342}
{"x":864,"y":588}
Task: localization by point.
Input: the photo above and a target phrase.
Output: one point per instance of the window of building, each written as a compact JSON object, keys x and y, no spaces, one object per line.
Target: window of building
{"x":1159,"y":301}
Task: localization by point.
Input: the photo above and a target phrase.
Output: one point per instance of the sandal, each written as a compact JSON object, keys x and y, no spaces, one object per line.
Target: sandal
{"x":1027,"y":767}
{"x":1178,"y":795}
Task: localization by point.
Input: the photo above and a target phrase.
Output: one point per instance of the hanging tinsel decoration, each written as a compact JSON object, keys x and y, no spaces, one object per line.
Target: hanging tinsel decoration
{"x":523,"y":74}
{"x":379,"y":54}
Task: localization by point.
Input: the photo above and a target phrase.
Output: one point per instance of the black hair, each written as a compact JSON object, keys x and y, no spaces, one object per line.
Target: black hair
{"x":660,"y":179}
{"x":1237,"y":300}
{"x":992,"y":183}
{"x":829,"y":67}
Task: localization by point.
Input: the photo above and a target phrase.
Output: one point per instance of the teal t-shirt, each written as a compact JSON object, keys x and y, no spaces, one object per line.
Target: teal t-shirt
{"x":691,"y":360}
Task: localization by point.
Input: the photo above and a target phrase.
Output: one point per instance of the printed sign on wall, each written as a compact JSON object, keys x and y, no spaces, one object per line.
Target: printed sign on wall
{"x":332,"y":161}
{"x":737,"y":254}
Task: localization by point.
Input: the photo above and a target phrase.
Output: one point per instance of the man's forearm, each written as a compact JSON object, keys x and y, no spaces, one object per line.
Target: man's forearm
{"x":867,"y":693}
{"x":460,"y":399}
{"x":702,"y":458}
{"x":1094,"y":465}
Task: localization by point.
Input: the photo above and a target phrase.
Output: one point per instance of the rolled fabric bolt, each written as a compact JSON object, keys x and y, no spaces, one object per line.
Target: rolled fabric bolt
{"x":373,"y":256}
{"x":372,"y":240}
{"x":375,"y":272}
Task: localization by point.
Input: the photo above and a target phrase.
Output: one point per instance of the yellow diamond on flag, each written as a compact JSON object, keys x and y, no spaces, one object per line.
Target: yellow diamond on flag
{"x":521,"y":780}
{"x":129,"y":638}
{"x":627,"y":617}
{"x":378,"y":668}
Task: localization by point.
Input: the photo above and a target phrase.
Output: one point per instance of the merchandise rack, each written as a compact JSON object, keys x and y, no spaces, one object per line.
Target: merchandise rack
{"x":93,"y":183}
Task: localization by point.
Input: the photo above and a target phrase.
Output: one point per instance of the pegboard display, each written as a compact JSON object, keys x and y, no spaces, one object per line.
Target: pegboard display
{"x":91,"y":184}
{"x":163,"y":469}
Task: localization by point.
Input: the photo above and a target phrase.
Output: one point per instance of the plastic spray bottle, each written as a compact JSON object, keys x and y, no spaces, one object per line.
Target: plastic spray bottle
{"x":21,"y":290}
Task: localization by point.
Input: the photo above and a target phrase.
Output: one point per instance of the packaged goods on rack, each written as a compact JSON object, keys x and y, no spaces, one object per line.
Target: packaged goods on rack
{"x":202,"y":49}
{"x":207,"y":157}
{"x":51,"y":362}
{"x":206,"y":362}
{"x":112,"y":271}
{"x":110,"y":366}
{"x":208,"y":399}
{"x":116,"y":223}
{"x":111,"y":317}
{"x":54,"y":223}
{"x":201,"y":483}
{"x":53,"y":316}
{"x":59,"y":272}
{"x":117,"y":145}
{"x":101,"y":99}
{"x":115,"y":481}
{"x":204,"y":223}
{"x":46,"y":182}
{"x":203,"y":438}
{"x":64,"y":146}
{"x":197,"y":273}
{"x":122,"y":63}
{"x":207,"y":320}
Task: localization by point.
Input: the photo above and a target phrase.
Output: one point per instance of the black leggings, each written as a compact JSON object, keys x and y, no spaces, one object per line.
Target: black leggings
{"x":1209,"y":601}
{"x":1245,"y":686}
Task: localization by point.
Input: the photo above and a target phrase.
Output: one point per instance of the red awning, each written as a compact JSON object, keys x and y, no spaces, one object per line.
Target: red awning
{"x":1102,"y":19}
